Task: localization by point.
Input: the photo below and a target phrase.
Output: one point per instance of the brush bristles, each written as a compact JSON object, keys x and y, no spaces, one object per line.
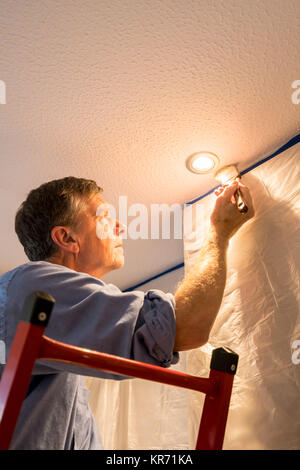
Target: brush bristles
{"x":227,"y":174}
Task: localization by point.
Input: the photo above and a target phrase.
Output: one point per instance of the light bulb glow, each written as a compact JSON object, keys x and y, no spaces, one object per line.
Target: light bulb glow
{"x":202,"y":162}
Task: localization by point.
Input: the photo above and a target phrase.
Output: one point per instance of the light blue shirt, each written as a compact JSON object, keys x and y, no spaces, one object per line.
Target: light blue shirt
{"x":91,"y":314}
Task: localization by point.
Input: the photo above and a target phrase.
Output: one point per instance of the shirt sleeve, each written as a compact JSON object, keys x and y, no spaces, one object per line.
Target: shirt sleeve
{"x":92,"y":314}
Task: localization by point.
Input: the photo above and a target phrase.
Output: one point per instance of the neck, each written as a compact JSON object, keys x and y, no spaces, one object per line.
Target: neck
{"x":70,"y":261}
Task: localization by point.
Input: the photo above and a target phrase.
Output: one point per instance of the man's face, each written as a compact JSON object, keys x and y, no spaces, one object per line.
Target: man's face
{"x":99,"y":239}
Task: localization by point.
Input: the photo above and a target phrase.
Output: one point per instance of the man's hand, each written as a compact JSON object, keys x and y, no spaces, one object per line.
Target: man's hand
{"x":225,"y":218}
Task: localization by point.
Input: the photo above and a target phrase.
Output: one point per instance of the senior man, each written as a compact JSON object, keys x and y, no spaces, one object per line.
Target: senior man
{"x":58,"y":226}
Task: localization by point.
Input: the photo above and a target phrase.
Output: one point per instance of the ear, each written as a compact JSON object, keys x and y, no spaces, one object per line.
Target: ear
{"x":65,"y":239}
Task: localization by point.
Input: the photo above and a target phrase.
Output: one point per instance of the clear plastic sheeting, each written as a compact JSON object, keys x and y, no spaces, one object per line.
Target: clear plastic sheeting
{"x":140,"y":414}
{"x":259,"y":317}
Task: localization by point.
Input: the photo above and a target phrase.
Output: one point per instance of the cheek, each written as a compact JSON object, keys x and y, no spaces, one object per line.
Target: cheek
{"x":103,"y":243}
{"x":104,"y":229}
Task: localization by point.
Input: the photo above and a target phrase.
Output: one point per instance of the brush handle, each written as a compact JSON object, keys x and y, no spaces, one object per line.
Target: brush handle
{"x":241,"y":205}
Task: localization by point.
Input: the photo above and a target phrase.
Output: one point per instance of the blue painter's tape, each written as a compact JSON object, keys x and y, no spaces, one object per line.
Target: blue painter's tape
{"x":178,"y":266}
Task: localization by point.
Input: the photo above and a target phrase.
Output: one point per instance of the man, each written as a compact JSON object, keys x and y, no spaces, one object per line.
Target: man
{"x":60,"y":228}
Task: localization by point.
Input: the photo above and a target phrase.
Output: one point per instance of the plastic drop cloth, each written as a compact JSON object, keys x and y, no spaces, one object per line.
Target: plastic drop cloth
{"x":259,"y":317}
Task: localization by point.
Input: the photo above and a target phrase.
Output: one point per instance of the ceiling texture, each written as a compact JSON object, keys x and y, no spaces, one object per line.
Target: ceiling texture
{"x":123,"y":91}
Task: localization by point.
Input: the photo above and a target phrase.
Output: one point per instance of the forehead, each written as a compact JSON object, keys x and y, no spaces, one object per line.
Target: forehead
{"x":97,"y":204}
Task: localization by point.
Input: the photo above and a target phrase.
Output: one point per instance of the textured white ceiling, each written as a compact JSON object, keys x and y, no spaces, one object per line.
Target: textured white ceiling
{"x":123,"y":91}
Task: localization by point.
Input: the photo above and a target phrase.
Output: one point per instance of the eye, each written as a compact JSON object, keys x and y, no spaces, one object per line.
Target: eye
{"x":102,"y":215}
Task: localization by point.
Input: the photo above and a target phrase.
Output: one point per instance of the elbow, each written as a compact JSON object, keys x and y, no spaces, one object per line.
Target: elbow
{"x":202,"y":341}
{"x":190,"y":342}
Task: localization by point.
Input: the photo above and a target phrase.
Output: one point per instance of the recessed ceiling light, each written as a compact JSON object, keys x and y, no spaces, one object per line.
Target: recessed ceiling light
{"x":202,"y":162}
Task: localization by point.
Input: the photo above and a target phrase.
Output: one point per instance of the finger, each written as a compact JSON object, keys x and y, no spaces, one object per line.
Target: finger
{"x":229,"y":190}
{"x":219,"y":190}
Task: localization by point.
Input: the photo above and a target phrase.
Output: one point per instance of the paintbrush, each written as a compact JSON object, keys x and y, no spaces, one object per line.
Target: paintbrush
{"x":227,"y":175}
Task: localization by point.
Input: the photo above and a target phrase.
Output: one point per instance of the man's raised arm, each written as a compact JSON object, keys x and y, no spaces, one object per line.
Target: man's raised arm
{"x":199,"y":295}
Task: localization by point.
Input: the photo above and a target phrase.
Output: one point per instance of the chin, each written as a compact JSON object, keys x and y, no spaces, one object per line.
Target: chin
{"x":118,"y":264}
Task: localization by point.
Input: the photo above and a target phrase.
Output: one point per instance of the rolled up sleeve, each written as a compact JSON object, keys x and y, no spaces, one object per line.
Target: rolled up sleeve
{"x":155,"y":330}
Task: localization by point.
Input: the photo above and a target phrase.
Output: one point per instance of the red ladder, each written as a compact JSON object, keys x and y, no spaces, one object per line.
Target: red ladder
{"x":30,"y":344}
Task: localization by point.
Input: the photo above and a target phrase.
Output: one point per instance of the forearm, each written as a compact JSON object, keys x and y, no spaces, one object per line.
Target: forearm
{"x":199,"y":296}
